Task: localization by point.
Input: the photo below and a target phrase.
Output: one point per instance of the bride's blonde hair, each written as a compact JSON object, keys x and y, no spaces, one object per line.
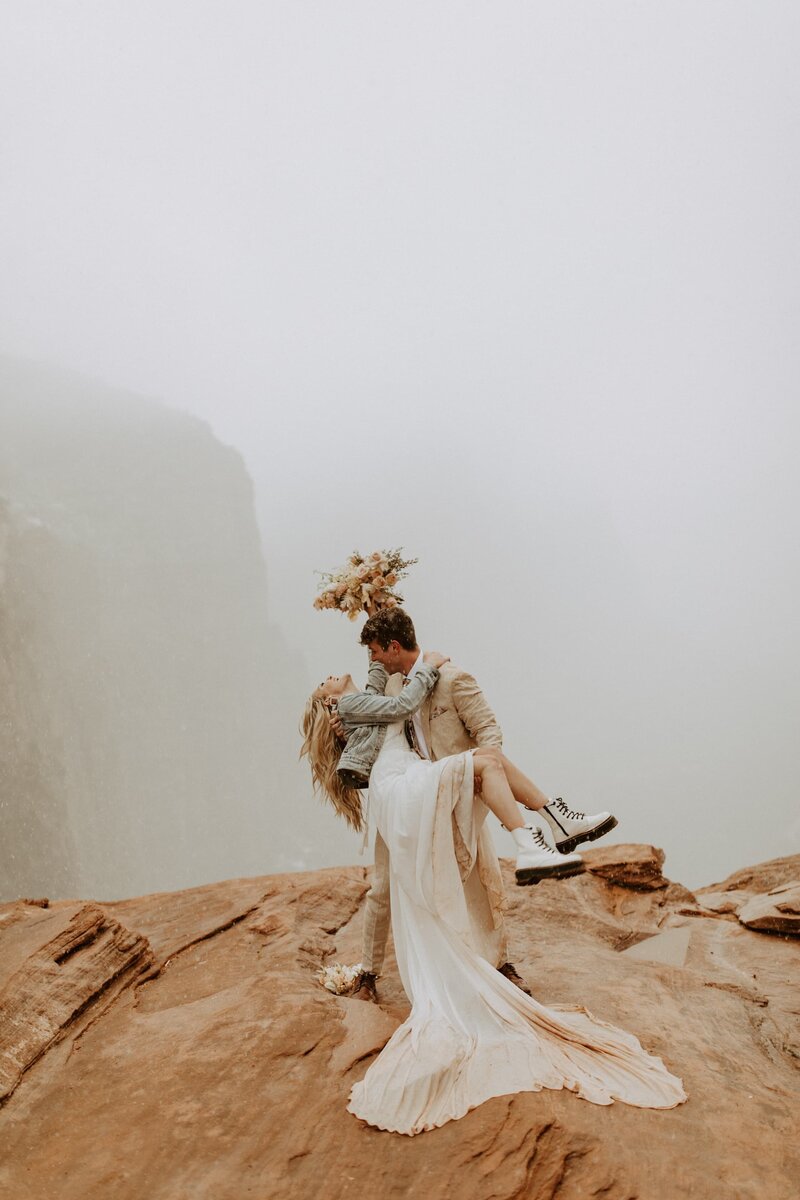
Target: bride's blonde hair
{"x":323,"y":751}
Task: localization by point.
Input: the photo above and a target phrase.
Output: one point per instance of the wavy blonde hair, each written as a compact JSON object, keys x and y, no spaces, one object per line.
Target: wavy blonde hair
{"x":323,"y":751}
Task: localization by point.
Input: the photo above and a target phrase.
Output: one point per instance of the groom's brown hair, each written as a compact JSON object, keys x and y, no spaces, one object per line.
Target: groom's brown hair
{"x":390,"y":625}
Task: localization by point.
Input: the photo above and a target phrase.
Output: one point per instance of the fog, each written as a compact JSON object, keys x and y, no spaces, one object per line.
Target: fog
{"x":514,"y":287}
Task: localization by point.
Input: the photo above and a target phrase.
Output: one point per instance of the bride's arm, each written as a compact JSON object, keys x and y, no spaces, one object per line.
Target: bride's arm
{"x":377,"y":678}
{"x":364,"y":708}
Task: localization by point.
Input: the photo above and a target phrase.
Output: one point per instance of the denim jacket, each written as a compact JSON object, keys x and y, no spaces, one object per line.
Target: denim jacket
{"x":366,"y":714}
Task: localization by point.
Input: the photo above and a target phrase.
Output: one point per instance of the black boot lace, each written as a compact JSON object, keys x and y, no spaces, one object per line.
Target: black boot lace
{"x":569,"y":813}
{"x":539,"y":838}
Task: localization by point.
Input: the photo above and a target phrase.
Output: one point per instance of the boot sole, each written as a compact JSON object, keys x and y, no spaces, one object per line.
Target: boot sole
{"x":528,"y":876}
{"x":591,"y":835}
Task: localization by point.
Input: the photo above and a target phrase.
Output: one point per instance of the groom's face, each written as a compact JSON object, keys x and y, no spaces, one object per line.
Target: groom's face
{"x":388,"y":657}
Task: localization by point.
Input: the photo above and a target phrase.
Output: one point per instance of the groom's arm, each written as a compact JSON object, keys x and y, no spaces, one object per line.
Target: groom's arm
{"x":474,"y":712}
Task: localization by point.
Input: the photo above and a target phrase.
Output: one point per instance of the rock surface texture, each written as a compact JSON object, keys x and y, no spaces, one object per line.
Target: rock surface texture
{"x":178,"y":1046}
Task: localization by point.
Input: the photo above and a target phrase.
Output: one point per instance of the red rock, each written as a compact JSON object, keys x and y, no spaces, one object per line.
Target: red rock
{"x":759,"y":878}
{"x":221,"y":1070}
{"x":778,"y":911}
{"x":627,"y":866}
{"x":724,"y":903}
{"x":56,"y":961}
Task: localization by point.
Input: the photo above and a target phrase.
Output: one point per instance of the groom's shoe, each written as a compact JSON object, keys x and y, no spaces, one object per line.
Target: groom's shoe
{"x":571,"y":828}
{"x":537,"y":860}
{"x":364,"y":987}
{"x":513,"y":976}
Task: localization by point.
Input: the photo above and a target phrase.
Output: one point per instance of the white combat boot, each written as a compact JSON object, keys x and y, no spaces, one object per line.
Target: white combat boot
{"x":536,"y":860}
{"x":571,"y":828}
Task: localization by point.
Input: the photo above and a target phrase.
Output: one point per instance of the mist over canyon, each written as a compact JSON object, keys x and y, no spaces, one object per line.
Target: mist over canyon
{"x":153,"y":671}
{"x":145,"y":738}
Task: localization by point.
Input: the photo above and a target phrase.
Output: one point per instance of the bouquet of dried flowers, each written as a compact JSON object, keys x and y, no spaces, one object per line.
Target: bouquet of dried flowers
{"x":365,"y":584}
{"x":338,"y":978}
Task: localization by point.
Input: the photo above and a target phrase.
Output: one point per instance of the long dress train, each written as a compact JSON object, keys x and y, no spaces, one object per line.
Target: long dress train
{"x":471,"y":1034}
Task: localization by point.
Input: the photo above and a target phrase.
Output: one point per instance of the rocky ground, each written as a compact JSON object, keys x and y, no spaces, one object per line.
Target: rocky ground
{"x":178,"y":1046}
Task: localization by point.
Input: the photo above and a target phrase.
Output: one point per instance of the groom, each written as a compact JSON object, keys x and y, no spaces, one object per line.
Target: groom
{"x":454,"y":717}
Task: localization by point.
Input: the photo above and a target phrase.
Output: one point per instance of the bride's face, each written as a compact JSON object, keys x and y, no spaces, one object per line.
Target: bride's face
{"x":334,"y":687}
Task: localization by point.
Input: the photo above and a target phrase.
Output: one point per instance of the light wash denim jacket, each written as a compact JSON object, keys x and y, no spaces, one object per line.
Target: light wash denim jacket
{"x":366,"y":714}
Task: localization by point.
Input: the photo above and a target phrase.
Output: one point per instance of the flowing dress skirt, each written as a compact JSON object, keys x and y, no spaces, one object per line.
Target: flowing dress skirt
{"x":471,"y":1034}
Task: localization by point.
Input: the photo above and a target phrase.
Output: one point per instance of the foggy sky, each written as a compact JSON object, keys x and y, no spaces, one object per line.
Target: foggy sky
{"x":513,"y":286}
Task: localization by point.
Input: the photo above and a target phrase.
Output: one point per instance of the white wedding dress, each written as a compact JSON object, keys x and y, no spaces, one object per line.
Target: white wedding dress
{"x":471,"y":1034}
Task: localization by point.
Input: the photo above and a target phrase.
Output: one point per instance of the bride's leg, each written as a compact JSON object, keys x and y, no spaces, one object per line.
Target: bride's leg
{"x":535,"y":858}
{"x":495,"y":790}
{"x":568,"y":828}
{"x":524,"y":789}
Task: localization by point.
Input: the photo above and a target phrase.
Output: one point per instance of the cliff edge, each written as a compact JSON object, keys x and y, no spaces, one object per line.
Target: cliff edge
{"x":178,"y":1046}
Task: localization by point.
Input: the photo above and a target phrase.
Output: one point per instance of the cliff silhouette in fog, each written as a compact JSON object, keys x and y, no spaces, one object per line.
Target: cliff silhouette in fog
{"x":136,"y":655}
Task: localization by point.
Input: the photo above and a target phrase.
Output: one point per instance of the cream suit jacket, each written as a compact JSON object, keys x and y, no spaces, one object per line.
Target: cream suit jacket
{"x":455,"y":717}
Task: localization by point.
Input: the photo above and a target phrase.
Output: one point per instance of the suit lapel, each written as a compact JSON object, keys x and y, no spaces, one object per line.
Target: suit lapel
{"x":425,"y":720}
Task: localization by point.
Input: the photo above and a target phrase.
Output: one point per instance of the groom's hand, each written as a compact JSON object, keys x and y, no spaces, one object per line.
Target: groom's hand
{"x":432,"y":658}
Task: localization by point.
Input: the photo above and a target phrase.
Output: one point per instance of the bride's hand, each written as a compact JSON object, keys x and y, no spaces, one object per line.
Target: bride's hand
{"x":335,"y":722}
{"x":432,"y":658}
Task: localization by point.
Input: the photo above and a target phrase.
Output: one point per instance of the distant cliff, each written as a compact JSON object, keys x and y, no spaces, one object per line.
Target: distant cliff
{"x":135,"y":650}
{"x":183,"y":1047}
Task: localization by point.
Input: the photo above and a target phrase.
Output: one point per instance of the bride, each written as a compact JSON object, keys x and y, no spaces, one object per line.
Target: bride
{"x":471,"y":1034}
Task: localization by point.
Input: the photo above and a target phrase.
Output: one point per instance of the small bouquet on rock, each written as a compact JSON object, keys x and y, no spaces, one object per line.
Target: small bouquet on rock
{"x":338,"y":978}
{"x":364,"y":584}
